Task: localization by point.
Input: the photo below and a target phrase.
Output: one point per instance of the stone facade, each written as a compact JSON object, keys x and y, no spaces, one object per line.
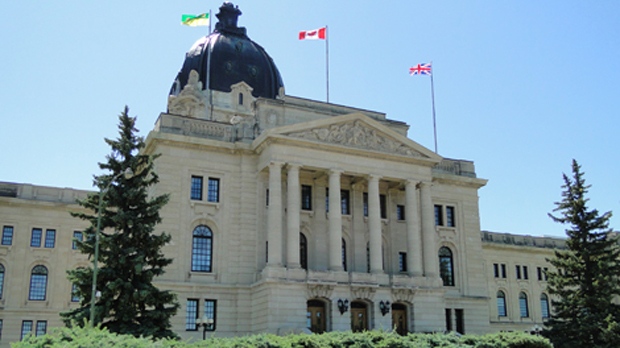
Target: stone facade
{"x":257,"y":244}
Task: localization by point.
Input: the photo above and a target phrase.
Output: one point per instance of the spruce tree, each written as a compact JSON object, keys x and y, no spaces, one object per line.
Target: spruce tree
{"x":585,"y":280}
{"x":130,"y":253}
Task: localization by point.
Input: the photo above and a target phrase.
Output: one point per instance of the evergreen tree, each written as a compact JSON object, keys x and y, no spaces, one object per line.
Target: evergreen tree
{"x":585,"y":280}
{"x":130,"y":255}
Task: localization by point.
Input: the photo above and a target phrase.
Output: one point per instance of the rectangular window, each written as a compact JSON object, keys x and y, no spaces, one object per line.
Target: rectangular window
{"x":345,"y":202}
{"x":438,"y":215}
{"x":191,"y":314}
{"x":503,"y":270}
{"x":267,"y":197}
{"x":518,"y":271}
{"x":210,"y":311}
{"x":460,"y":321}
{"x":306,"y":197}
{"x":383,"y":206}
{"x":525,"y":275}
{"x":7,"y":235}
{"x":196,"y":189}
{"x":35,"y":241}
{"x":41,"y":328}
{"x":450,"y":216}
{"x":365,"y":204}
{"x":75,"y":297}
{"x":214,"y":190}
{"x":448,"y":319}
{"x":523,"y":309}
{"x":496,"y":270}
{"x":545,"y":273}
{"x":50,"y":238}
{"x":539,"y":272}
{"x":400,"y":212}
{"x":402,"y":261}
{"x":77,"y":236}
{"x":26,"y":328}
{"x":1,"y":329}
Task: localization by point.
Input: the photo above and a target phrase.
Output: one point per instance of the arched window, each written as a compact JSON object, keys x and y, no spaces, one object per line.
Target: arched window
{"x":202,"y":249}
{"x":544,"y":305}
{"x":303,"y":251}
{"x":38,"y":283}
{"x":523,"y":308}
{"x":501,"y":304}
{"x":446,"y":266}
{"x":1,"y":280}
{"x":344,"y":255}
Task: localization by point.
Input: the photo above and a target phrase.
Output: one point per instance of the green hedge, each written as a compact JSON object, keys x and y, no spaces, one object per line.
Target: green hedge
{"x":100,"y":338}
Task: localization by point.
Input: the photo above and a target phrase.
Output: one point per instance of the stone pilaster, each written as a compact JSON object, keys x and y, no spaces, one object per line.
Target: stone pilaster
{"x":274,"y":222}
{"x":335,"y":222}
{"x":293,"y":209}
{"x":431,"y":258}
{"x":414,"y":237}
{"x":374,"y":225}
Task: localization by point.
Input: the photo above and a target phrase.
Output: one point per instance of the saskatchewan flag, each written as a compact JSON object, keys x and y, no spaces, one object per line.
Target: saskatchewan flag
{"x":195,"y":20}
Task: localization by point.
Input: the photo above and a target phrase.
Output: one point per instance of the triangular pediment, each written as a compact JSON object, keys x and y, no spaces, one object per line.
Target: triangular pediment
{"x":355,"y":131}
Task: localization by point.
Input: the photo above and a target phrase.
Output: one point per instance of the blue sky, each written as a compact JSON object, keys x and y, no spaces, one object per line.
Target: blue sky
{"x":521,"y":87}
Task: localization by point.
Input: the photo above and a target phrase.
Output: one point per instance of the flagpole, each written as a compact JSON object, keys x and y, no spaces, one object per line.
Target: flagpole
{"x":209,"y":21}
{"x":433,"y":101}
{"x":327,"y":62}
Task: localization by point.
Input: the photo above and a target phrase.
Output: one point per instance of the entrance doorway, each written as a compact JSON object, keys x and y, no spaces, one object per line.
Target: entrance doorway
{"x":359,"y":316}
{"x":399,"y":319}
{"x":315,"y":316}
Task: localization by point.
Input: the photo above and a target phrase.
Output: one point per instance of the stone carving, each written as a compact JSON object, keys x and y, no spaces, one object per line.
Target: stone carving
{"x":320,"y":291}
{"x":363,"y":293}
{"x":402,"y":295}
{"x":191,"y":102}
{"x":356,"y":134}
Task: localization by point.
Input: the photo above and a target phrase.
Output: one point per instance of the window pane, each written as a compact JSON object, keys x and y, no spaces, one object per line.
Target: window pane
{"x":196,"y":188}
{"x":450,"y":216}
{"x":1,"y":280}
{"x":210,"y":307}
{"x":306,"y":197}
{"x":41,"y":328}
{"x":344,"y":202}
{"x":26,"y":328}
{"x":501,"y":304}
{"x":402,"y":262}
{"x":7,"y":235}
{"x":77,"y":235}
{"x":35,"y":239}
{"x":214,"y":190}
{"x":400,"y":212}
{"x":383,"y":206}
{"x":365,"y":204}
{"x":523,"y":305}
{"x":50,"y":238}
{"x":544,"y":305}
{"x":344,"y":255}
{"x":202,"y":249}
{"x":438,"y":215}
{"x":446,"y":270}
{"x":38,"y":283}
{"x":191,"y":313}
{"x":303,"y":251}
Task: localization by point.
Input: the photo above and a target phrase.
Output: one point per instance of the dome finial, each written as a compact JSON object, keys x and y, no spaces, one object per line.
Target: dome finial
{"x":228,"y":16}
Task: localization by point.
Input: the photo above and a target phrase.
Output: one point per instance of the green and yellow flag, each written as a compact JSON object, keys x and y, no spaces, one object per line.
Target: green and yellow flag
{"x":195,"y":20}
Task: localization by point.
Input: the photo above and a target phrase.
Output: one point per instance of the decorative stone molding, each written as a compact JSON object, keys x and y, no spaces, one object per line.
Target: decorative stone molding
{"x":191,"y":102}
{"x":403,"y":295}
{"x":320,"y":291}
{"x":366,"y":293}
{"x":357,"y":134}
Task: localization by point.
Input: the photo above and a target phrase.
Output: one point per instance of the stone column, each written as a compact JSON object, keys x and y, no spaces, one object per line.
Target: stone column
{"x":335,"y":222}
{"x":374,"y":225}
{"x":274,"y":221}
{"x":293,"y":209}
{"x":414,"y":237}
{"x":431,"y":258}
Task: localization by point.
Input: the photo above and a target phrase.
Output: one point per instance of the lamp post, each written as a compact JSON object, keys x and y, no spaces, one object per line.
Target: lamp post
{"x":128,"y":173}
{"x":206,"y":323}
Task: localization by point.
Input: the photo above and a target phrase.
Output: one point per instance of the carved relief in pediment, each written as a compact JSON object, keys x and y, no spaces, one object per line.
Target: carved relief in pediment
{"x":191,"y":101}
{"x":357,"y":134}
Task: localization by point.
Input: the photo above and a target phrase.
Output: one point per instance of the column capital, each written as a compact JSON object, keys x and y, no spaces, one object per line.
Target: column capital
{"x":331,"y":171}
{"x":425,"y":184}
{"x":275,"y":164}
{"x":373,"y":177}
{"x":293,"y":165}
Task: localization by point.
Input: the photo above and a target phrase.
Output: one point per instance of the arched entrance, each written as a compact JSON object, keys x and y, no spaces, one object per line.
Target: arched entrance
{"x":359,"y":316}
{"x":315,"y":316}
{"x":399,"y":319}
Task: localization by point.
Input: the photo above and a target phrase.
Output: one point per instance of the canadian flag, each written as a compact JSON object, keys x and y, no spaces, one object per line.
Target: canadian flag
{"x":316,"y":34}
